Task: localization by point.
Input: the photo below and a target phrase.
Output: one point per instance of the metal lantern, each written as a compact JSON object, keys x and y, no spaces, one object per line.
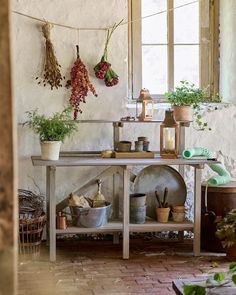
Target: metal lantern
{"x":169,"y":136}
{"x":144,"y":106}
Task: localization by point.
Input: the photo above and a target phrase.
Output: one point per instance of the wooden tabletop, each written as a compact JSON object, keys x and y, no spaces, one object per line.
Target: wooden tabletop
{"x":99,"y":161}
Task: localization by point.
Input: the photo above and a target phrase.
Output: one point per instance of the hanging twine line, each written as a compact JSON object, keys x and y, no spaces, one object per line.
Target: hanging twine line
{"x":104,"y":29}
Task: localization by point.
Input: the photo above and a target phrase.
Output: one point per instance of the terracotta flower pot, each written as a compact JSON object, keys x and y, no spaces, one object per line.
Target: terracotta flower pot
{"x":183,"y":113}
{"x":163,"y":214}
{"x":178,"y":209}
{"x":178,"y":216}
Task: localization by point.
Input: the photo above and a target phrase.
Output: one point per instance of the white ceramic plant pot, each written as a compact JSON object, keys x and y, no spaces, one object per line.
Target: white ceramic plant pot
{"x":183,"y":113}
{"x":50,"y":150}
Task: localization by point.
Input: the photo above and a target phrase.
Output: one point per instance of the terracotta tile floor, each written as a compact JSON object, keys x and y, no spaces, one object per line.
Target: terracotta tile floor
{"x":95,"y":267}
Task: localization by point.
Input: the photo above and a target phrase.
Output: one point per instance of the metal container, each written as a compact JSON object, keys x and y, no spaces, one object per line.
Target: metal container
{"x":138,"y":146}
{"x":90,"y":217}
{"x":137,"y":200}
{"x":137,"y":214}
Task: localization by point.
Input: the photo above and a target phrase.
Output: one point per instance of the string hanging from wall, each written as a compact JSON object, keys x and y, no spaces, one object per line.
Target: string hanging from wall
{"x":105,"y":29}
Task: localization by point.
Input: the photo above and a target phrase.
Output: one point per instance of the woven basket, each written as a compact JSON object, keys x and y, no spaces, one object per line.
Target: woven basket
{"x":30,"y":234}
{"x":31,"y":222}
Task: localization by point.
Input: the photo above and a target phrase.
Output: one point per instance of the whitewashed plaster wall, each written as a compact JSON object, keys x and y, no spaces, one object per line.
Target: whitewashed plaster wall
{"x":28,"y":45}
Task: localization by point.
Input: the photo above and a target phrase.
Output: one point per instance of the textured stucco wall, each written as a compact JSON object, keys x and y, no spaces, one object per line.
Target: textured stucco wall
{"x":111,"y":103}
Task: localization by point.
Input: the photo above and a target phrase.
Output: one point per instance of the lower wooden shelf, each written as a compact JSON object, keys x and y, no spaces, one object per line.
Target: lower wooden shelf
{"x":152,"y":226}
{"x":109,"y":227}
{"x":117,"y":226}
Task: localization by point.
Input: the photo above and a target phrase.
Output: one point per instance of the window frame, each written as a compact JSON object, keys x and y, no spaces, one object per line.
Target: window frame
{"x":208,"y":51}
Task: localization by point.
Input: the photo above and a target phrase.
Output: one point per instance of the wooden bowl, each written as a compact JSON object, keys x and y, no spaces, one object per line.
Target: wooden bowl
{"x":124,"y":146}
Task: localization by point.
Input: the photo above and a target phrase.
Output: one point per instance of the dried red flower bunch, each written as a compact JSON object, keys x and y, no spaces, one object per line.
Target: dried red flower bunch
{"x":80,"y":84}
{"x":103,"y":69}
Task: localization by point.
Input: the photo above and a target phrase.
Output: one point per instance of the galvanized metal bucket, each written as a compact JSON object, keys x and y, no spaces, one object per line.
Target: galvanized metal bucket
{"x":90,"y":217}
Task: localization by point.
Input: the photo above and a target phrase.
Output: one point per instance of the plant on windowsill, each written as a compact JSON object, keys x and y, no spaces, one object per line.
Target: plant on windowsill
{"x":226,"y":232}
{"x":187,"y":99}
{"x":52,"y":130}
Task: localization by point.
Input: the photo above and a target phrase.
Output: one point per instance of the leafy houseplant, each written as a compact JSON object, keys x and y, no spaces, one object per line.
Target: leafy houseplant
{"x":226,"y":232}
{"x":52,"y":130}
{"x":183,"y":99}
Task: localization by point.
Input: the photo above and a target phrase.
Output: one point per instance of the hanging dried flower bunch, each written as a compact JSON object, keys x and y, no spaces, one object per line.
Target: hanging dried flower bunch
{"x":80,"y":84}
{"x":103,"y":69}
{"x":51,"y":72}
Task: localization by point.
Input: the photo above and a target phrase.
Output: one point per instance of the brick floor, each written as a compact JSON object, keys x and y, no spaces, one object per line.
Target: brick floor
{"x":96,"y":267}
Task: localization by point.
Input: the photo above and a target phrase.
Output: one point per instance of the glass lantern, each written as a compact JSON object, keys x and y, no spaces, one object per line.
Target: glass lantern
{"x":169,"y":136}
{"x":144,"y":106}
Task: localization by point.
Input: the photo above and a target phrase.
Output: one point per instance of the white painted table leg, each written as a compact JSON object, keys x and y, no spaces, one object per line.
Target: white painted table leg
{"x":52,"y":212}
{"x":126,"y":177}
{"x":197,"y":211}
{"x":47,"y":202}
{"x":116,"y":205}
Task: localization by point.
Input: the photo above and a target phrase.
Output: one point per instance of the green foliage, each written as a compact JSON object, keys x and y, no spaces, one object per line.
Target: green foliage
{"x":218,"y":280}
{"x":219,"y":277}
{"x":232,"y":267}
{"x":226,"y":231}
{"x":194,"y":290}
{"x":54,"y":128}
{"x":234,"y":279}
{"x":188,"y":95}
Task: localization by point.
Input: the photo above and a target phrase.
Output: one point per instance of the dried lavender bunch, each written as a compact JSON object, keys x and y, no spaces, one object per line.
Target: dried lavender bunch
{"x":51,"y":72}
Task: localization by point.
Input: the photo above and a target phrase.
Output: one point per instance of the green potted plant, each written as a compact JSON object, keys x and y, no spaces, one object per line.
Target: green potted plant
{"x":52,"y":130}
{"x":185,"y":100}
{"x":226,"y":232}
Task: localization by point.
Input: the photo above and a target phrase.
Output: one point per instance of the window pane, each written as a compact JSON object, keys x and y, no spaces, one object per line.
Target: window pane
{"x":186,"y":63}
{"x":154,"y":28}
{"x":154,"y":68}
{"x":186,"y":22}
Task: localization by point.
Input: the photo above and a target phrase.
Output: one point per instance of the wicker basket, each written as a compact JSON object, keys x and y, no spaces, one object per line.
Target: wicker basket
{"x":31,"y":222}
{"x":30,"y":234}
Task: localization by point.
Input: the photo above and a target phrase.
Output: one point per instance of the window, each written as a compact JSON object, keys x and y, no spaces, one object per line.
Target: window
{"x":173,"y":40}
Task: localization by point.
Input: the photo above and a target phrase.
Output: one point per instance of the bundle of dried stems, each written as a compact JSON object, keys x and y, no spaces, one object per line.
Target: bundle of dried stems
{"x":51,"y":72}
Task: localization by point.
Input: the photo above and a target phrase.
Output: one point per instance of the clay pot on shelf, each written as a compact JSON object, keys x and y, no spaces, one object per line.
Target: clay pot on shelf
{"x":178,"y":209}
{"x":178,"y":213}
{"x":183,"y":113}
{"x":163,"y":214}
{"x":124,"y":146}
{"x":178,"y":216}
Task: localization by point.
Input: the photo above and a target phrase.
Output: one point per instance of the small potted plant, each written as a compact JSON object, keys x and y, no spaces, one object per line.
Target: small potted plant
{"x":226,"y":232}
{"x":163,"y":209}
{"x":185,"y":100}
{"x":52,"y":130}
